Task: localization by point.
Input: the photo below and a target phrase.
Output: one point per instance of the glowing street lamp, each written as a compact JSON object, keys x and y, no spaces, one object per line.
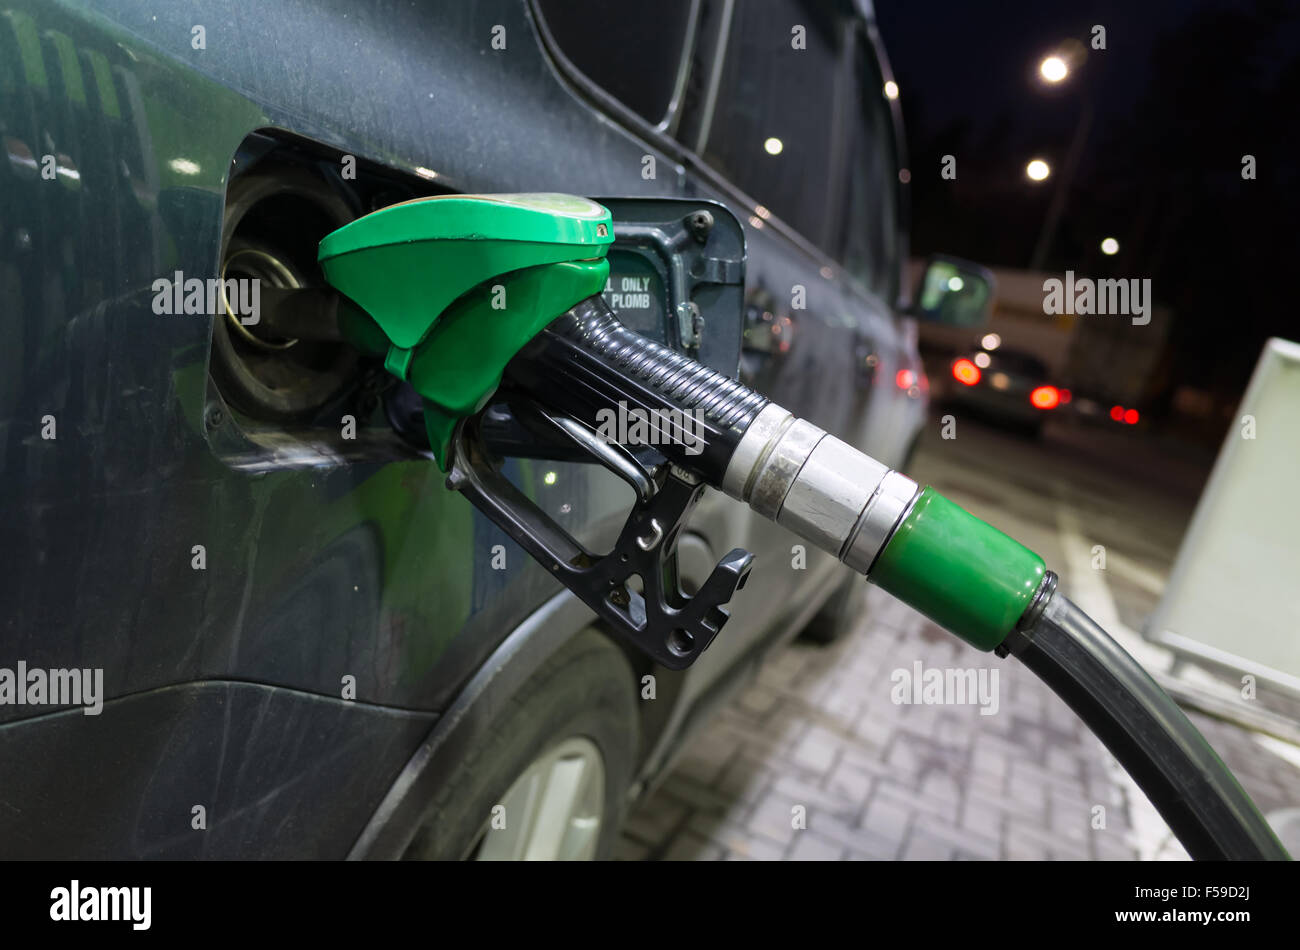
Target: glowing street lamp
{"x":1109,"y":246}
{"x":1038,"y":170}
{"x":1053,"y":69}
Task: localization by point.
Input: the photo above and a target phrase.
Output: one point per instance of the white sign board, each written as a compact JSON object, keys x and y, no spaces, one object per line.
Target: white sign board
{"x":1234,"y":595}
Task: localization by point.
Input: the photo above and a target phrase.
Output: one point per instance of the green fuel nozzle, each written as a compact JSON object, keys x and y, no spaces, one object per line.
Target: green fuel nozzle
{"x":457,"y":284}
{"x":468,"y":295}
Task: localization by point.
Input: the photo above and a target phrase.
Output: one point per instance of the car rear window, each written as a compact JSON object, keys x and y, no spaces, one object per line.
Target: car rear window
{"x":870,"y":225}
{"x":1017,"y":362}
{"x":772,"y":131}
{"x":631,"y":50}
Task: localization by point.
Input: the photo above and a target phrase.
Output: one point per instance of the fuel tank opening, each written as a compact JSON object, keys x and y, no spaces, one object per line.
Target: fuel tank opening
{"x":275,"y":217}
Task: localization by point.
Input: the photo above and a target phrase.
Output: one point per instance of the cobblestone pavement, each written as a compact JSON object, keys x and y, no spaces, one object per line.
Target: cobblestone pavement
{"x":817,"y":761}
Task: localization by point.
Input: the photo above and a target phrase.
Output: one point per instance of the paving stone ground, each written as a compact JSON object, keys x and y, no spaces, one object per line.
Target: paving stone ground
{"x":816,"y":761}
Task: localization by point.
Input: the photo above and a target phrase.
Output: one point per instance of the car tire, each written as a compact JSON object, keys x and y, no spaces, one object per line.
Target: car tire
{"x":842,"y":612}
{"x":585,"y":696}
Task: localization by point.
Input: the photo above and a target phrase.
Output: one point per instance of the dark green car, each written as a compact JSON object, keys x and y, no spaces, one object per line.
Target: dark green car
{"x":296,"y":641}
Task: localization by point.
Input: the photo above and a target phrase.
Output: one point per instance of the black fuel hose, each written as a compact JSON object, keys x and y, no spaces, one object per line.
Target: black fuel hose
{"x":1187,"y":782}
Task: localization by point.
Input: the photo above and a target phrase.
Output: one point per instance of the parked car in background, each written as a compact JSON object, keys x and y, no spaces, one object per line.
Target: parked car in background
{"x":1002,"y":384}
{"x":310,"y":647}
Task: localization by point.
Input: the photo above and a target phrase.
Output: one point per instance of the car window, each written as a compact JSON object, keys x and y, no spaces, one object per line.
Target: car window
{"x":869,"y":226}
{"x":773,"y":123}
{"x":631,"y":50}
{"x":1017,"y":362}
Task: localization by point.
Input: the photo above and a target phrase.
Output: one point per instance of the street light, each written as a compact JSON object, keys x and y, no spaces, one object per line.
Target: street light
{"x":1038,"y":169}
{"x":1109,"y":246}
{"x":1053,"y":68}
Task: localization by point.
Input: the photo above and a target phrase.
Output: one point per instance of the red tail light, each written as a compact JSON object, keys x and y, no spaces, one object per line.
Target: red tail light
{"x":966,"y":372}
{"x":905,"y":379}
{"x":1117,"y":413}
{"x":1131,"y":417}
{"x":1066,"y":396}
{"x":1045,"y":397}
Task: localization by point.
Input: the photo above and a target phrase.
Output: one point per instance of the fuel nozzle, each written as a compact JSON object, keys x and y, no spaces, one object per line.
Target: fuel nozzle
{"x":458,"y":283}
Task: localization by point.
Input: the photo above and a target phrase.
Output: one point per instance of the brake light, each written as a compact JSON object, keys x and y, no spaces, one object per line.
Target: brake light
{"x":1045,"y":397}
{"x":1131,"y":417}
{"x":965,"y":372}
{"x":1066,"y":396}
{"x":1117,"y":413}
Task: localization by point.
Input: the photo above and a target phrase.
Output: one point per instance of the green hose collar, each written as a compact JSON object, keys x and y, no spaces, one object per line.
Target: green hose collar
{"x":961,"y":572}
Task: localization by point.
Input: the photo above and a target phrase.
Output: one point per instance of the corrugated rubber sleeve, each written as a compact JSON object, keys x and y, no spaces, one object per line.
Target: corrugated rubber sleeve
{"x":587,"y":363}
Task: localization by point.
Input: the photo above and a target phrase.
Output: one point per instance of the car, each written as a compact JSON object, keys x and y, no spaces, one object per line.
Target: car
{"x":1005,"y":385}
{"x":309,"y":646}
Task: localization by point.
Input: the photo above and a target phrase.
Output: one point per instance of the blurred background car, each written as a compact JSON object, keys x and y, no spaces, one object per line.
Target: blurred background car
{"x":1005,"y":385}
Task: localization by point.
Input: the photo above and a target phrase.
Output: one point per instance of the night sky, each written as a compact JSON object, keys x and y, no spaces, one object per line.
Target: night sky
{"x":1183,"y":90}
